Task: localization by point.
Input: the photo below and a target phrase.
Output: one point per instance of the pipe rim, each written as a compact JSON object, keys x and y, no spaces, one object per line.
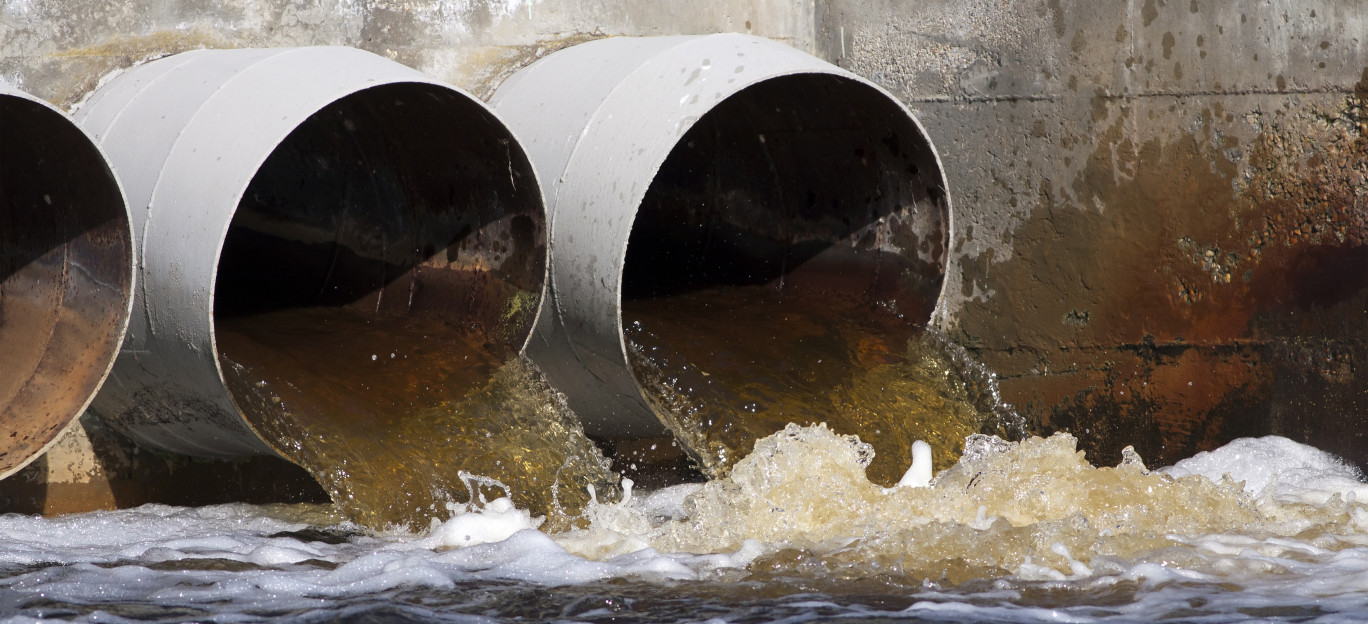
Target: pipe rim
{"x":180,"y":324}
{"x":113,"y":339}
{"x":608,"y":93}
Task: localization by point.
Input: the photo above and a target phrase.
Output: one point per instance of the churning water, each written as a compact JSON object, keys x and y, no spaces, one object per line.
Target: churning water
{"x":724,"y":367}
{"x":1259,"y":530}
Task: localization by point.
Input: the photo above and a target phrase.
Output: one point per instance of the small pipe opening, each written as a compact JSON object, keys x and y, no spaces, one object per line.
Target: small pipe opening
{"x":65,"y":275}
{"x":385,"y":259}
{"x":793,"y":240}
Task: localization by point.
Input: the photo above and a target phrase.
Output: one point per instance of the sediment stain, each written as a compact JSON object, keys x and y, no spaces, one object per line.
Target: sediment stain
{"x":1223,"y":284}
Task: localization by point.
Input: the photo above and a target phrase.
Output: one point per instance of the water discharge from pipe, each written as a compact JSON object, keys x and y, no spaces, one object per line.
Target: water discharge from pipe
{"x":342,"y":260}
{"x":722,"y":390}
{"x":782,"y":268}
{"x":385,"y":360}
{"x":744,"y":236}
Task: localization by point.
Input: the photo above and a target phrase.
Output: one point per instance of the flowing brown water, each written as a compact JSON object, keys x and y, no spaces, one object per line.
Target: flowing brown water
{"x":729,"y":366}
{"x":398,"y":416}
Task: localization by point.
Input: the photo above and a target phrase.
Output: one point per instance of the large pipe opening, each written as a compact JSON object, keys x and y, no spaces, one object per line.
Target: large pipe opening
{"x":787,"y":253}
{"x":341,"y":262}
{"x":392,"y":215}
{"x":386,"y":260}
{"x":66,"y":275}
{"x":745,"y":236}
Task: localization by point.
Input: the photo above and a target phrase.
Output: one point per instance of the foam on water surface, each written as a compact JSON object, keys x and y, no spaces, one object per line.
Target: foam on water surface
{"x":1031,"y":510}
{"x":1276,"y":466}
{"x":1025,"y":531}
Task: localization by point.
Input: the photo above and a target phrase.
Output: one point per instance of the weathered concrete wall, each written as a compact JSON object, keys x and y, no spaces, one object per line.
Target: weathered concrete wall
{"x":1161,"y":206}
{"x":59,"y":49}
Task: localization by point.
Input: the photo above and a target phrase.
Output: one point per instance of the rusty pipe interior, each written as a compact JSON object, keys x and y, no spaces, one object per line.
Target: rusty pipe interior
{"x":66,"y":274}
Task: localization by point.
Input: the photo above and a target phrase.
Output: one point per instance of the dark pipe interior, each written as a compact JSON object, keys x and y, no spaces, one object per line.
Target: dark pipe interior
{"x":808,"y":177}
{"x":65,"y":274}
{"x":791,"y":245}
{"x":401,"y":220}
{"x":400,"y":199}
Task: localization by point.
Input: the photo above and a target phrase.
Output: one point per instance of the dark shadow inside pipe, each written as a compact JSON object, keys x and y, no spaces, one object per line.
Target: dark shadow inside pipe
{"x":809,"y":178}
{"x":401,"y":199}
{"x":386,"y":257}
{"x":792,"y":241}
{"x":65,"y":274}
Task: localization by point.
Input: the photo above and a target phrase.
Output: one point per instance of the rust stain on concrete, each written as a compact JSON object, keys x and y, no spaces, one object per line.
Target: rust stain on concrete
{"x":1185,"y":289}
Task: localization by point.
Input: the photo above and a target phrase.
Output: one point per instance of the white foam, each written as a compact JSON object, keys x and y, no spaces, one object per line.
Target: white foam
{"x":919,"y":473}
{"x":668,"y":503}
{"x":494,"y":522}
{"x":151,"y":533}
{"x":133,"y":555}
{"x":1277,"y":467}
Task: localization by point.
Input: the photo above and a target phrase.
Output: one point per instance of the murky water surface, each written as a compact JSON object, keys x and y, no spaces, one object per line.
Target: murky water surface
{"x":1260,"y":530}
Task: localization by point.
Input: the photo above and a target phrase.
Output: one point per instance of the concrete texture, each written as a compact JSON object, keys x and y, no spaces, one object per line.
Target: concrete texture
{"x":59,"y":49}
{"x":1161,"y":211}
{"x":1160,"y":228}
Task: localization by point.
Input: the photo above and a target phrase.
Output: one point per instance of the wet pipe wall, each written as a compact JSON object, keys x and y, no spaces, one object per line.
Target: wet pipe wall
{"x":1113,"y":167}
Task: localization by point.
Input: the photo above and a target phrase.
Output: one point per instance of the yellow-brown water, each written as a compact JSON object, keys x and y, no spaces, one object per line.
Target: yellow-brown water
{"x":726,"y":367}
{"x":1013,"y":532}
{"x":398,"y":416}
{"x":1035,"y":510}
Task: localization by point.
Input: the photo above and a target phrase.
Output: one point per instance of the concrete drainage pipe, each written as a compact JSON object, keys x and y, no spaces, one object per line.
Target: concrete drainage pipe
{"x":66,"y":274}
{"x":324,"y":235}
{"x":740,"y":230}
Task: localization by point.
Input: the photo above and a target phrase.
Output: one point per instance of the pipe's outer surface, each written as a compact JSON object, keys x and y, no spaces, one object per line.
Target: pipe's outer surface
{"x":598,"y":120}
{"x":187,"y":134}
{"x":66,"y":274}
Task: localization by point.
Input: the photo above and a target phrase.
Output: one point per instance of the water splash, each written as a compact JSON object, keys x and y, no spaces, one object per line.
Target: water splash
{"x":1034,"y":509}
{"x":726,"y":367}
{"x":1015,"y":531}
